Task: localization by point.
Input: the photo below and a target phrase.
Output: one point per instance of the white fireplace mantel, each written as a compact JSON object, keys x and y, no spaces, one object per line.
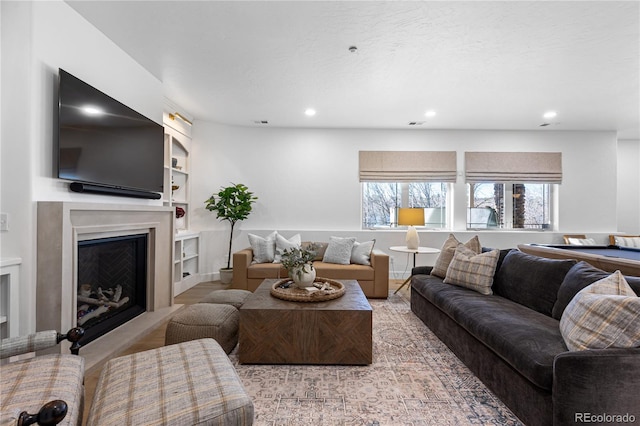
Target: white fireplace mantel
{"x":62,"y":224}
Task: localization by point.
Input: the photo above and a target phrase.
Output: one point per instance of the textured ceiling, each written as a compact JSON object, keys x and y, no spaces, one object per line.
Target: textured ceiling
{"x":480,"y":65}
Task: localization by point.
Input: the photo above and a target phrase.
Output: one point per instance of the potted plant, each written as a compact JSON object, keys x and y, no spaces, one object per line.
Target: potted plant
{"x":232,"y":204}
{"x":298,"y":262}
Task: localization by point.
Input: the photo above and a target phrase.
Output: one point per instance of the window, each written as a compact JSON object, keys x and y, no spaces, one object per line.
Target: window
{"x":498,"y":205}
{"x":380,"y":201}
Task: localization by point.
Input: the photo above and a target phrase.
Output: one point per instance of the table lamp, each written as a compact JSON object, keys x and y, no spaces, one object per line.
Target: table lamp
{"x":411,"y":217}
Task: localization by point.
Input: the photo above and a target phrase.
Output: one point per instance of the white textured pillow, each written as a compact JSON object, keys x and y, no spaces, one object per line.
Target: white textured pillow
{"x":283,"y":244}
{"x":264,"y":249}
{"x":627,"y":241}
{"x":339,"y":250}
{"x":472,"y":270}
{"x":581,"y":241}
{"x":361,"y":252}
{"x":606,"y":314}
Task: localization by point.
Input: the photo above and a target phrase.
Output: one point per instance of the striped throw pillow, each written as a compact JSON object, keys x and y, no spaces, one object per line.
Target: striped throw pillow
{"x":605,"y":314}
{"x":447,"y":251}
{"x":471,"y":270}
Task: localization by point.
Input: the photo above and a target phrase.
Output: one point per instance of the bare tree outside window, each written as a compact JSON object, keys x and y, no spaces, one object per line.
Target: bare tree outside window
{"x":509,"y":205}
{"x":380,"y":200}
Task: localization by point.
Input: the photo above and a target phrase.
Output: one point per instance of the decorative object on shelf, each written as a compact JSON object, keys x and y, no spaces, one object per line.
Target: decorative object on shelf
{"x":411,"y":217}
{"x":298,"y":262}
{"x":180,"y":213}
{"x":232,"y":204}
{"x":323,"y":289}
{"x":174,"y":162}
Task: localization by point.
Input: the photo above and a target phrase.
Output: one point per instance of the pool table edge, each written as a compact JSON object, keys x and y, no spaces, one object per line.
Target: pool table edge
{"x":606,"y":263}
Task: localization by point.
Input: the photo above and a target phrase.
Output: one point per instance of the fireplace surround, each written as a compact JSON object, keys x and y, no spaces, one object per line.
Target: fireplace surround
{"x":61,"y":226}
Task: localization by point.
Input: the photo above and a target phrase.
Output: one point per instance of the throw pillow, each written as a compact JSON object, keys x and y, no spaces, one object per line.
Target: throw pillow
{"x":581,"y":241}
{"x":447,"y":251}
{"x":263,"y":248}
{"x":627,"y":241}
{"x":283,"y":244}
{"x":361,"y":252}
{"x":339,"y":250}
{"x":472,"y":270}
{"x":320,"y":248}
{"x":605,"y":314}
{"x":580,"y":276}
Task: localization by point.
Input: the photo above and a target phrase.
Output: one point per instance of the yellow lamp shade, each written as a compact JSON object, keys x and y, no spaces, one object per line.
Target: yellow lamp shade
{"x":411,"y":216}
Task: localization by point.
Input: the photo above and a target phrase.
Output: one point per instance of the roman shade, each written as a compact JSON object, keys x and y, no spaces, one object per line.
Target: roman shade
{"x":407,"y":166}
{"x":513,"y":167}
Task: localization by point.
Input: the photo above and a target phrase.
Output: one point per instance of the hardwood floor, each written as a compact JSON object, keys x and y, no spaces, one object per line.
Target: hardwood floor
{"x":154,"y":339}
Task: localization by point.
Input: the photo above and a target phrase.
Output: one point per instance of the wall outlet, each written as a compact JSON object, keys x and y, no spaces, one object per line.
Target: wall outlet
{"x":4,"y":221}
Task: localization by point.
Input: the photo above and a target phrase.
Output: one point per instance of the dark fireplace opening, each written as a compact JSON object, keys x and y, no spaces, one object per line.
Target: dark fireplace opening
{"x":112,"y":283}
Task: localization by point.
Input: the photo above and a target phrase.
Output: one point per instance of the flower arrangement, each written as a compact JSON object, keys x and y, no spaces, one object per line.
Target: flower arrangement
{"x":295,"y":259}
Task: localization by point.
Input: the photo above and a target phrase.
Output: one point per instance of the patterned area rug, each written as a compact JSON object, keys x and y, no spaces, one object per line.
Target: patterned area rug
{"x":414,"y":380}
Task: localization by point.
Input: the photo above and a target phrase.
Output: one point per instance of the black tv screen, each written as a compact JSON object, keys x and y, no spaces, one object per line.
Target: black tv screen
{"x":102,"y":141}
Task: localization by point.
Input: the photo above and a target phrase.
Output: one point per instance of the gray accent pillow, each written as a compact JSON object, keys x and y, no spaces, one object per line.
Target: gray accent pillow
{"x":263,"y":248}
{"x":361,"y":252}
{"x":339,"y":250}
{"x":283,"y":244}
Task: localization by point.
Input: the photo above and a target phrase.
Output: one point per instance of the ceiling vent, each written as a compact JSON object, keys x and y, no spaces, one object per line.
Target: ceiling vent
{"x":416,"y":123}
{"x":260,"y":122}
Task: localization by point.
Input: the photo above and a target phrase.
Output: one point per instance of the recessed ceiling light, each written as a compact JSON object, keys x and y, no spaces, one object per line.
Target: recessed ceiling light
{"x":550,"y":114}
{"x":310,"y":112}
{"x":430,"y":113}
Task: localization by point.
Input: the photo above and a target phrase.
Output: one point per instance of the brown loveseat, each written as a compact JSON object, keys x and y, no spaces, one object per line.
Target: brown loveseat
{"x":373,"y":279}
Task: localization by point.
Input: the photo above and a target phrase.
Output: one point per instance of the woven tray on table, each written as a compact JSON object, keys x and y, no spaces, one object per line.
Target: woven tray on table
{"x":295,"y":294}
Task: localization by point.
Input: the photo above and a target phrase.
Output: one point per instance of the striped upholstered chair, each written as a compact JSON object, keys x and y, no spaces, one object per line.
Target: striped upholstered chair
{"x":49,"y":386}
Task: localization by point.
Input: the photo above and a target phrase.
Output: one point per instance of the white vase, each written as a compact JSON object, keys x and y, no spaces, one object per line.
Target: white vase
{"x":303,"y":276}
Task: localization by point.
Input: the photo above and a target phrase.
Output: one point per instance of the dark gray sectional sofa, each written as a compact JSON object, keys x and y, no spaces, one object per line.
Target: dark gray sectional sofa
{"x":511,"y":341}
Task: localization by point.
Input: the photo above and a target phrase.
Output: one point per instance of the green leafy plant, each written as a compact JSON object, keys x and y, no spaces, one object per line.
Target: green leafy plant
{"x":295,"y":258}
{"x":233,"y":204}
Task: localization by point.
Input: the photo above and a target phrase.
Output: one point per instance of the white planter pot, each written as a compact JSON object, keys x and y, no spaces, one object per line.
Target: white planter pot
{"x":226,"y":275}
{"x":304,"y":276}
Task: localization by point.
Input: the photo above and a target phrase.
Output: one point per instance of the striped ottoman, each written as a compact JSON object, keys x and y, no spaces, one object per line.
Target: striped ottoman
{"x":191,"y":383}
{"x":217,"y":321}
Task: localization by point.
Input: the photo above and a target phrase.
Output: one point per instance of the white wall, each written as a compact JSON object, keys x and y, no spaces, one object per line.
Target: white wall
{"x":629,"y":187}
{"x":307,"y":181}
{"x":37,"y":39}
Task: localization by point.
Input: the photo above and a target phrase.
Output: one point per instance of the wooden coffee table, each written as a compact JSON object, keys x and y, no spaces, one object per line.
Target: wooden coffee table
{"x":275,"y":331}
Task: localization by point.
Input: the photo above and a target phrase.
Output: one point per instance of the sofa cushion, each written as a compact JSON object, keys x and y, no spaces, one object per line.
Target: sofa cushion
{"x":266,"y":270}
{"x":527,"y":340}
{"x":361,"y":252}
{"x":580,"y":276}
{"x":264,"y":249}
{"x":530,"y":280}
{"x":603,"y":315}
{"x":344,"y":272}
{"x":339,"y":250}
{"x":283,"y":244}
{"x":472,"y":270}
{"x":447,"y":251}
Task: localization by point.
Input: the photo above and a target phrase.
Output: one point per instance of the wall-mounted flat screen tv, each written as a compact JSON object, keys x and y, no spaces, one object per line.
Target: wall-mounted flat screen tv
{"x":102,"y":141}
